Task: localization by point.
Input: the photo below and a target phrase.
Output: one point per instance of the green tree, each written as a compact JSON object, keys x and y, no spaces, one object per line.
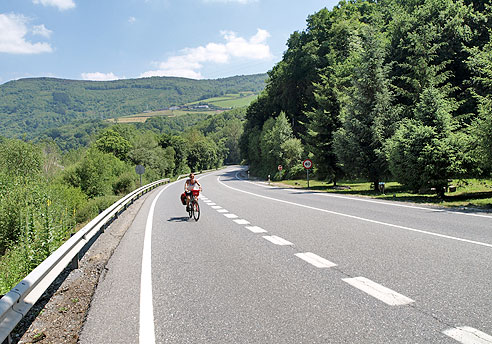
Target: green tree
{"x":480,"y":63}
{"x":292,"y":152}
{"x":321,"y":125}
{"x":147,"y":152}
{"x":428,"y":48}
{"x":96,"y":173}
{"x":110,"y":141}
{"x":484,"y":134}
{"x":203,"y":152}
{"x":180,"y":148}
{"x":358,"y":144}
{"x":422,"y":153}
{"x":278,"y":146}
{"x":20,"y":159}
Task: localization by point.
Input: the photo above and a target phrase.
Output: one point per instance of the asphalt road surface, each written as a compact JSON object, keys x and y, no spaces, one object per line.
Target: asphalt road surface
{"x":273,"y":265}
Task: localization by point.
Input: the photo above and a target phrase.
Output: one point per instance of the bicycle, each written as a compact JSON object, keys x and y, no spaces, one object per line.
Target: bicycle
{"x":194,"y":207}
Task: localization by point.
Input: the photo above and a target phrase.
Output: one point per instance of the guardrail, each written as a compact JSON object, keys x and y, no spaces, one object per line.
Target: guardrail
{"x":17,"y":303}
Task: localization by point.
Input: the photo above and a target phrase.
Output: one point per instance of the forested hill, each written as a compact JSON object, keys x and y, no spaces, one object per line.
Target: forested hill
{"x":30,"y":106}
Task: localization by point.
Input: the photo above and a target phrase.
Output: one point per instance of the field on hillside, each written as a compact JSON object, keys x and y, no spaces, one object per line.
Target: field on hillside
{"x":142,"y":117}
{"x":219,"y":104}
{"x":232,"y":100}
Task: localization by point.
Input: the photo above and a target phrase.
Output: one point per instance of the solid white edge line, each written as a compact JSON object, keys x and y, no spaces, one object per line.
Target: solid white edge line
{"x":392,"y":204}
{"x":468,"y":335}
{"x":360,"y":218}
{"x":388,"y":296}
{"x":277,"y":240}
{"x":146,"y":320}
{"x":315,"y":260}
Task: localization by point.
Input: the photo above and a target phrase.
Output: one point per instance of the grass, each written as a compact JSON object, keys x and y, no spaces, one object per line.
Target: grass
{"x":235,"y":103}
{"x":475,"y":193}
{"x":142,"y":117}
{"x":229,"y":100}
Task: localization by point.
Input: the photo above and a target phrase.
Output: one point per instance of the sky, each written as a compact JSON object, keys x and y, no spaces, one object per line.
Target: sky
{"x":123,"y":39}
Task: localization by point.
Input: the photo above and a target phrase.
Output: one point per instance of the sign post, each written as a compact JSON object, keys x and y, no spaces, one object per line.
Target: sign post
{"x":308,"y":164}
{"x":140,"y":170}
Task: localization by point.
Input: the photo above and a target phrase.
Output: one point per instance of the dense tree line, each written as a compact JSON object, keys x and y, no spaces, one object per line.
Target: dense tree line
{"x":29,"y":107}
{"x":383,"y":89}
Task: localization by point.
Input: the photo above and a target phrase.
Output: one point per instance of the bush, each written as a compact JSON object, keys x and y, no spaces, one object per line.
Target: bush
{"x":20,"y":159}
{"x":96,"y":173}
{"x":94,"y":207}
{"x":124,"y":184}
{"x":295,"y":172}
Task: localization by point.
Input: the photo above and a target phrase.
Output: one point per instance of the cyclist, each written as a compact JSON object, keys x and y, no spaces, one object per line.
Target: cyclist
{"x":190,"y":184}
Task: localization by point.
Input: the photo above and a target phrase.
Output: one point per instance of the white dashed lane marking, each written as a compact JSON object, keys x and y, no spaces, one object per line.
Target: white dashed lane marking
{"x":468,"y":335}
{"x":378,"y":291}
{"x":241,"y":222}
{"x":222,"y":211}
{"x":216,"y":207}
{"x":278,"y":240}
{"x":231,"y":216}
{"x":315,"y":260}
{"x":256,"y":229}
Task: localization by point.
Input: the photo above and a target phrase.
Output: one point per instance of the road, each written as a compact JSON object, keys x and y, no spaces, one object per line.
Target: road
{"x":274,"y":265}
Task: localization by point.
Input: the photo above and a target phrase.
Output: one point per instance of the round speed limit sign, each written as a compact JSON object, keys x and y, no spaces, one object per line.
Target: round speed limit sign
{"x":308,"y":164}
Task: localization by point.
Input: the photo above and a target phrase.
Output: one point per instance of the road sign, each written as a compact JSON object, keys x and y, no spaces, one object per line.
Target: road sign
{"x":308,"y":164}
{"x":140,"y":169}
{"x":280,"y":168}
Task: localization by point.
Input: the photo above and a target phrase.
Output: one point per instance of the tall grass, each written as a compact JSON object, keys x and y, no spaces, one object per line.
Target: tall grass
{"x":35,"y":219}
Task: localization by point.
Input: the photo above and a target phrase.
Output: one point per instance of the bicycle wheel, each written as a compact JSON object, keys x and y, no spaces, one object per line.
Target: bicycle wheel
{"x":190,"y":209}
{"x":196,"y":210}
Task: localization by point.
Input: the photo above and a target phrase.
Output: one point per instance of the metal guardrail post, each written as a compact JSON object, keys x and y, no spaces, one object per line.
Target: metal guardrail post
{"x":75,"y":262}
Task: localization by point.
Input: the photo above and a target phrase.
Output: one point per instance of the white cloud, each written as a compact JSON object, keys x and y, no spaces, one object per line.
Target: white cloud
{"x":41,"y":30}
{"x":62,"y":5}
{"x":189,"y":63}
{"x":13,"y":29}
{"x":132,"y":20}
{"x":97,"y":76}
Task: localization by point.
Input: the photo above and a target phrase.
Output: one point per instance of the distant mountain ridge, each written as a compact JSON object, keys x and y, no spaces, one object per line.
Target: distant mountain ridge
{"x":30,"y":106}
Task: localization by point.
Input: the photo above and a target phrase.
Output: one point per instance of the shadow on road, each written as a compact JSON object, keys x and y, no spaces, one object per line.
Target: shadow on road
{"x":231,"y":175}
{"x":179,"y":219}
